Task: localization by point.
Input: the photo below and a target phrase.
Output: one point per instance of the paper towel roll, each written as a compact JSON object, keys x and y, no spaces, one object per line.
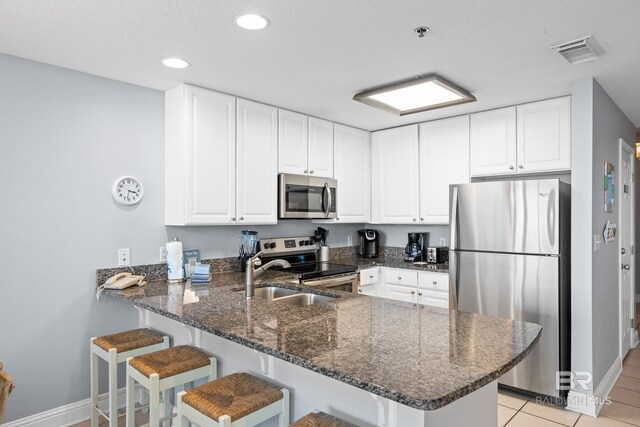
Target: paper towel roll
{"x":175,"y":266}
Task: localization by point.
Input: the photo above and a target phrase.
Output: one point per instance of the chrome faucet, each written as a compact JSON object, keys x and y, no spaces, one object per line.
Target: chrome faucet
{"x":254,"y":269}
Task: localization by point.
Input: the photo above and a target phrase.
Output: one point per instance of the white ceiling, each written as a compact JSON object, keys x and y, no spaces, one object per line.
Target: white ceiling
{"x":318,"y":53}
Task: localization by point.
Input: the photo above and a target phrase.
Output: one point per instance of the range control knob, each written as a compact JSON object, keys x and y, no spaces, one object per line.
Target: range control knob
{"x":307,"y":243}
{"x":266,"y":246}
{"x":301,"y":243}
{"x":272,"y":245}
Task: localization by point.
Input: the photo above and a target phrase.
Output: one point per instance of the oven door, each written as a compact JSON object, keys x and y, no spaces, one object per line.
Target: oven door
{"x":343,"y":282}
{"x":306,"y":197}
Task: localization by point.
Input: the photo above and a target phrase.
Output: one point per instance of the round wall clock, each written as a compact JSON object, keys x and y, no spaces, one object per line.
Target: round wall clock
{"x":127,"y":190}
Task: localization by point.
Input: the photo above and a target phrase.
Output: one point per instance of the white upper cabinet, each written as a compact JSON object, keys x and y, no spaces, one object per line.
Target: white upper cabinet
{"x":200,"y":157}
{"x":320,"y":148}
{"x":305,"y":145}
{"x":257,"y":166}
{"x":292,"y":142}
{"x":395,"y":195}
{"x":352,"y":156}
{"x":444,"y":160}
{"x":493,"y":142}
{"x":529,"y":138}
{"x":544,"y":135}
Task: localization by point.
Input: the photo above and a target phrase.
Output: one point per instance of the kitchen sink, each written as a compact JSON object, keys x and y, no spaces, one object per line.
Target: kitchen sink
{"x":273,"y":292}
{"x":290,"y":296}
{"x":305,"y":299}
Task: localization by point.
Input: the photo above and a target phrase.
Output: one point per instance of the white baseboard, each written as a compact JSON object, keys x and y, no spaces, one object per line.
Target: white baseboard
{"x":591,"y":404}
{"x":66,"y":415}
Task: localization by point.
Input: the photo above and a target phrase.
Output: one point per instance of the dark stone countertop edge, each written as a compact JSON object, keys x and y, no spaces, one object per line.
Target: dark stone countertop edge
{"x":421,"y":404}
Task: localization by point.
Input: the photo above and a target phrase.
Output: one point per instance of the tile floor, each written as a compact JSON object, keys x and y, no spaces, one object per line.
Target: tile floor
{"x":515,"y":410}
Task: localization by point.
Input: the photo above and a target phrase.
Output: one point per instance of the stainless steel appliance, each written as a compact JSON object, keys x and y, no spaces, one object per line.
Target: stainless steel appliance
{"x":368,"y":243}
{"x":248,"y":242}
{"x":306,"y":197}
{"x":509,"y":257}
{"x":416,"y":243}
{"x":302,"y":254}
{"x":437,"y":255}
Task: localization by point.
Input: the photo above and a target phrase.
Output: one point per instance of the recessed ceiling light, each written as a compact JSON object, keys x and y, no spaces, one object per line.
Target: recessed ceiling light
{"x":251,"y":21}
{"x":415,"y":95}
{"x":175,"y":63}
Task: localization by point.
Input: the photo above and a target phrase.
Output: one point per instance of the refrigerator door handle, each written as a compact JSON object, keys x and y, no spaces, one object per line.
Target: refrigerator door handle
{"x":454,"y":219}
{"x":453,"y":281}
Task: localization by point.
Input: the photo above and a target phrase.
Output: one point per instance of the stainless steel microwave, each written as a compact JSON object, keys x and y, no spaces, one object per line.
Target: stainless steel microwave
{"x":306,"y":197}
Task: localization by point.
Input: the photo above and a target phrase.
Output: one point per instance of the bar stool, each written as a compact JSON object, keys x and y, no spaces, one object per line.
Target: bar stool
{"x":238,"y":399}
{"x":115,"y":349}
{"x":320,"y":419}
{"x":163,"y":370}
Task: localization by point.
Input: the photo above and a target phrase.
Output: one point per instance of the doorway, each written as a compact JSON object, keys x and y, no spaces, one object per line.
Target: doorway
{"x":626,"y":243}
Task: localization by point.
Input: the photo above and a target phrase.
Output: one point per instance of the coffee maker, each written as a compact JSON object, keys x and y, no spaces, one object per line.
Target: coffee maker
{"x":416,"y":245}
{"x":369,"y":243}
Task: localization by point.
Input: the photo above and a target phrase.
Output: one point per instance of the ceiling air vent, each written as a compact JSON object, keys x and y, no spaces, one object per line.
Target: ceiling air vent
{"x":580,"y":50}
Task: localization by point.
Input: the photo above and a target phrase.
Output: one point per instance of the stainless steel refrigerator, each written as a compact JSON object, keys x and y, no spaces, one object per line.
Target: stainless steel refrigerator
{"x":510,"y":258}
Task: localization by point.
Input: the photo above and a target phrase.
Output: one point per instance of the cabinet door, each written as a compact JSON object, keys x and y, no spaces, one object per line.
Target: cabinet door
{"x":292,"y":142}
{"x":201,"y":130}
{"x":257,"y":164}
{"x":444,"y":160}
{"x":352,"y":156}
{"x":320,"y":148}
{"x":493,"y":142}
{"x":401,"y":293}
{"x":367,"y":290}
{"x":544,"y":135}
{"x":395,"y":196}
{"x":433,"y":289}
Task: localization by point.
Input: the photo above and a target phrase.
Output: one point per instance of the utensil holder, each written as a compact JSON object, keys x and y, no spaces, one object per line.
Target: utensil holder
{"x":323,"y":255}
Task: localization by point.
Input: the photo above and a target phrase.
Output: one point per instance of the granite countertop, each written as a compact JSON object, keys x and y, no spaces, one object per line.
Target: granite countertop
{"x":420,"y":356}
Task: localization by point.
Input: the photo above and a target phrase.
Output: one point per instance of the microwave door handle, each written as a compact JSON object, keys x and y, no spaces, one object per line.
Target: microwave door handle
{"x":328,"y":204}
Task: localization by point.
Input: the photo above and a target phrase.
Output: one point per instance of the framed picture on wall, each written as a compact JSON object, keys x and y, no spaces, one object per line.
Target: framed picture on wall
{"x":609,"y":187}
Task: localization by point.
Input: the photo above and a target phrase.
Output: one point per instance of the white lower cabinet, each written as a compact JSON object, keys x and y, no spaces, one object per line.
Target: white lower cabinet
{"x":368,"y":281}
{"x":420,"y":287}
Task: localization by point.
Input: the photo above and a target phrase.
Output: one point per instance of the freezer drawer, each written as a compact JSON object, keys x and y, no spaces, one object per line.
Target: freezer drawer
{"x":519,"y":287}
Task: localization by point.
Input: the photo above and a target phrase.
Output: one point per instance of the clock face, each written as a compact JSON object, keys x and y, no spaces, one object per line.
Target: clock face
{"x":127,"y":190}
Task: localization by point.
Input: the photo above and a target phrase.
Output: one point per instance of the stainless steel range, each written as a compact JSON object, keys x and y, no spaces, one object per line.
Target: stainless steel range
{"x":302,"y":254}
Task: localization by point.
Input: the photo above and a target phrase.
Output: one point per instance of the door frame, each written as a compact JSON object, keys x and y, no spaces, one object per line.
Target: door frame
{"x":624,"y":149}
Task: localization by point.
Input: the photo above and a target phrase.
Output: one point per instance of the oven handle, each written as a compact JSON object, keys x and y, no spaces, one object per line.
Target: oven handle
{"x":330,"y":281}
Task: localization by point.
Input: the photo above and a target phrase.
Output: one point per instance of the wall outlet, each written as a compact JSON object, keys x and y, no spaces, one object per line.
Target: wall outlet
{"x":124,"y":257}
{"x":349,"y":240}
{"x":163,"y":254}
{"x":443,"y":241}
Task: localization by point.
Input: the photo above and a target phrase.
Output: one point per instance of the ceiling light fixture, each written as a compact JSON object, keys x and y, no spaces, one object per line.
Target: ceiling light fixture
{"x":175,"y":63}
{"x":251,"y":21}
{"x":416,"y":95}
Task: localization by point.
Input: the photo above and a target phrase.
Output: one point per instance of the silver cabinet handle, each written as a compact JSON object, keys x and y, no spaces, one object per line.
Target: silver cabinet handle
{"x":520,"y":167}
{"x":233,"y":218}
{"x":311,"y":172}
{"x":626,"y":266}
{"x":370,"y":277}
{"x":241,"y":218}
{"x":413,"y":292}
{"x":414,"y":219}
{"x":419,"y":293}
{"x":511,"y":167}
{"x":306,"y":171}
{"x":399,"y":277}
{"x":435,"y":283}
{"x":360,"y":290}
{"x":421,"y":218}
{"x":623,"y":251}
{"x":337,"y":219}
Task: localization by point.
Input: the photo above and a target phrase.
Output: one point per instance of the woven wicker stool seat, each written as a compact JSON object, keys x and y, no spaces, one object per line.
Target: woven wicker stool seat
{"x":115,"y":349}
{"x":170,"y":362}
{"x":239,"y":396}
{"x":129,"y":340}
{"x":160,"y":372}
{"x":320,"y":419}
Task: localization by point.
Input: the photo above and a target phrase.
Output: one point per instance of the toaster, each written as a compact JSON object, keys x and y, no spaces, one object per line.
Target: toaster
{"x":437,"y":255}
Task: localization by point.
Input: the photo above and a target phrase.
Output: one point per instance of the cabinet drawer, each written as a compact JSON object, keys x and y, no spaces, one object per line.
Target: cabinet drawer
{"x":433,"y":302}
{"x":433,"y":281}
{"x":398,"y":276}
{"x":368,"y":276}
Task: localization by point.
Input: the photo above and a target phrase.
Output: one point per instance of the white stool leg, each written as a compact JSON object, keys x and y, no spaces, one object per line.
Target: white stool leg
{"x":94,"y":385}
{"x":225,"y":421}
{"x":154,"y":401}
{"x":283,"y":417}
{"x":131,"y":391}
{"x":113,"y":388}
{"x":182,"y":420}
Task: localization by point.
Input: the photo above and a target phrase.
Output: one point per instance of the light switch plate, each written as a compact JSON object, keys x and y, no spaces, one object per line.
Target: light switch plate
{"x":163,"y":254}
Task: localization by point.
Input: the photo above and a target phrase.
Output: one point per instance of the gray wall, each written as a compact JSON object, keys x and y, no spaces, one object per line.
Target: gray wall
{"x":597,"y":124}
{"x":65,"y":137}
